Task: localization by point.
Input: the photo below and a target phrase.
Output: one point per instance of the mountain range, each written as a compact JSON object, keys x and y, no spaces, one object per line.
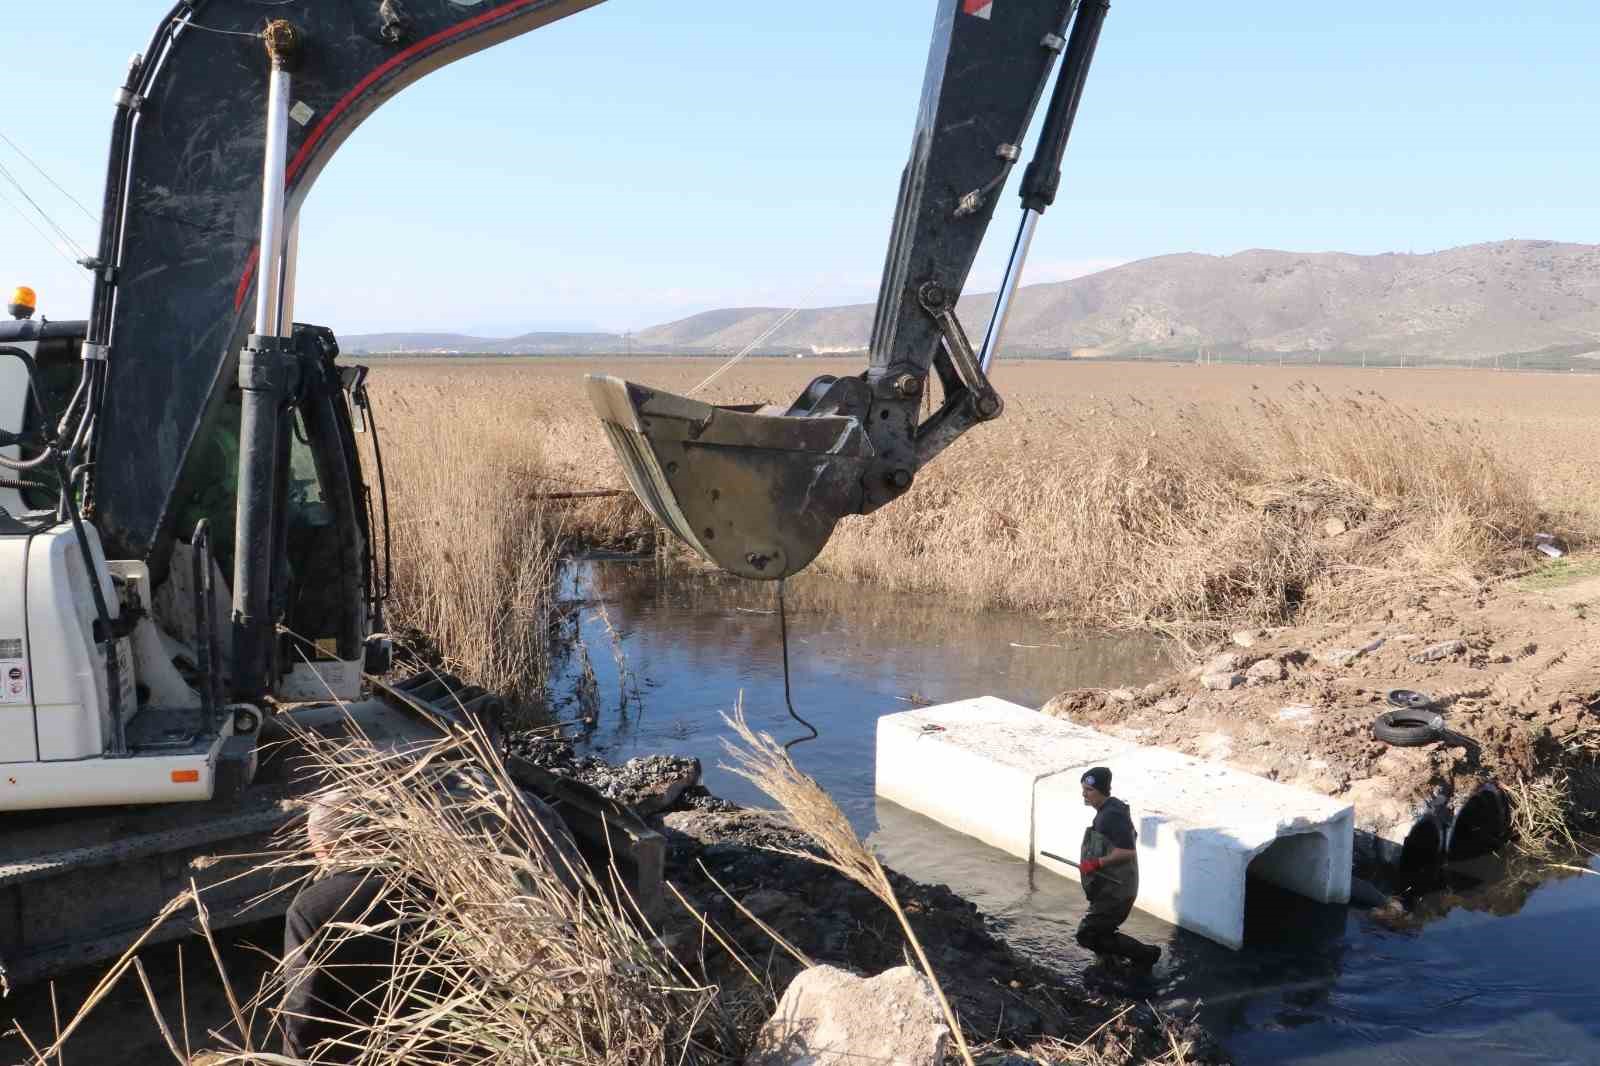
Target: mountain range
{"x":1466,"y":304}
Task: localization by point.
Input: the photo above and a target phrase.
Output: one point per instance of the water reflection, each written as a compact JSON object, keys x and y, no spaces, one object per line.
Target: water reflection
{"x":697,"y":642}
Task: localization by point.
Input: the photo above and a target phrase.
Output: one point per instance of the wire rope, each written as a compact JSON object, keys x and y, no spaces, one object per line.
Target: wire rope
{"x":15,"y":147}
{"x":788,"y":700}
{"x":64,"y":235}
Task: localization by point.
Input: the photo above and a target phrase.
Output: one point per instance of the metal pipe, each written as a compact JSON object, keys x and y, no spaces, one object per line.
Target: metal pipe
{"x":265,"y":367}
{"x":1008,"y":289}
{"x":200,"y":580}
{"x":272,"y":220}
{"x":288,"y":268}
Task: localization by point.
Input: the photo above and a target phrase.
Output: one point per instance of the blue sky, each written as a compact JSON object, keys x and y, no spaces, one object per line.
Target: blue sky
{"x":644,"y":160}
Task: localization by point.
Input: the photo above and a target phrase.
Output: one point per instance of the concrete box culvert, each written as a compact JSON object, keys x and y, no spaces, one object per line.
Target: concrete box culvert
{"x":1009,"y":776}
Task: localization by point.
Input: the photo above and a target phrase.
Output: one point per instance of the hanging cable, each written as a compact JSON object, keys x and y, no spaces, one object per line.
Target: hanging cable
{"x":35,"y":227}
{"x":65,"y":236}
{"x":783,"y":631}
{"x":746,"y":350}
{"x":15,"y":147}
{"x":782,"y":321}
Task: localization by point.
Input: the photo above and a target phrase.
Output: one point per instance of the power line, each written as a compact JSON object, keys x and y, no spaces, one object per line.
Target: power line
{"x":90,"y":215}
{"x":44,"y":236}
{"x":64,"y":235}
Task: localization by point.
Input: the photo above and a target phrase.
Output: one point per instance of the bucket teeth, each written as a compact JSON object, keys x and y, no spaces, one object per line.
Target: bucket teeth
{"x":757,"y":493}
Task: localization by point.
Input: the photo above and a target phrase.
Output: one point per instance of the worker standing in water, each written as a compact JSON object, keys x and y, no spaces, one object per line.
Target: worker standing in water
{"x":1110,"y":873}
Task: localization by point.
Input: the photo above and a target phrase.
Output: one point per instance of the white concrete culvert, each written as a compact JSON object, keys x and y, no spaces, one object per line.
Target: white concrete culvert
{"x":1202,"y":826}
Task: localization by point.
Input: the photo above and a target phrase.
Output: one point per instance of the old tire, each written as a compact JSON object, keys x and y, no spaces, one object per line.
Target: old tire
{"x":1408,"y":700}
{"x":1408,"y":729}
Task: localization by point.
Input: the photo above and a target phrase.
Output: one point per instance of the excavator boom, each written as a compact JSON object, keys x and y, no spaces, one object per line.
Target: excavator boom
{"x":759,"y":491}
{"x":176,"y":277}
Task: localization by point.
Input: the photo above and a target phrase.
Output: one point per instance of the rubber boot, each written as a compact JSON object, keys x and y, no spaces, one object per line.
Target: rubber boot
{"x":1143,"y":956}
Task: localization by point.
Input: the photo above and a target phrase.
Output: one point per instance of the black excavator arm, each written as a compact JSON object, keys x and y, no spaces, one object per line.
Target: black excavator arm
{"x":759,"y":491}
{"x":175,"y":269}
{"x":231,"y":90}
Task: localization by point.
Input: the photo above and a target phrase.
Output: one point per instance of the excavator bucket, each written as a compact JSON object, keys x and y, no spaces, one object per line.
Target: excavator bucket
{"x":753,"y":489}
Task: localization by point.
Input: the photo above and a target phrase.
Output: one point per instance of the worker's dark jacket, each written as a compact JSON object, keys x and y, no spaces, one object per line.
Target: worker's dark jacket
{"x":336,"y":978}
{"x":1112,"y":828}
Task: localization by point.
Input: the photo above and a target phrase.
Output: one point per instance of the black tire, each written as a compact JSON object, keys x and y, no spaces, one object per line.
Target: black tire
{"x":1408,"y":700}
{"x":1408,"y":729}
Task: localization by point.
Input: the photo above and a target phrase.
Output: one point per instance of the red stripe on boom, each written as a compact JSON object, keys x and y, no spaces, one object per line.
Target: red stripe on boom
{"x":397,"y":60}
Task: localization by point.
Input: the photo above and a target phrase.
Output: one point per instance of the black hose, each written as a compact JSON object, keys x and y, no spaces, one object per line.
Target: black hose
{"x":102,"y":612}
{"x":200,"y":552}
{"x":383,"y":488}
{"x":783,"y":632}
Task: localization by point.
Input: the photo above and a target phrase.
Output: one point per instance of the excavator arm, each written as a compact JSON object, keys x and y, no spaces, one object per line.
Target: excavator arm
{"x":223,"y":125}
{"x":758,"y":490}
{"x":176,"y":267}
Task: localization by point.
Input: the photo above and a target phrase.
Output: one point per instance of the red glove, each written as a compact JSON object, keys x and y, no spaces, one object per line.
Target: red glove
{"x":1090,"y":866}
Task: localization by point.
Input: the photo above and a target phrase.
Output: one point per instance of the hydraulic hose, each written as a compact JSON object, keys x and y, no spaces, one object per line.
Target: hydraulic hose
{"x":119,"y":742}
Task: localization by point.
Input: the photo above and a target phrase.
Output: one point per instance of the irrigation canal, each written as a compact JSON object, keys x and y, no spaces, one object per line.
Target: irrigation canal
{"x":1491,"y":963}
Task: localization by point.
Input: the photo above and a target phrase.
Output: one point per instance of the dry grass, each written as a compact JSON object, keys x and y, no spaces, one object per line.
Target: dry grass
{"x":473,"y":552}
{"x":1128,"y":515}
{"x":1541,"y":814}
{"x":513,"y":953}
{"x":763,"y":762}
{"x":1168,"y":505}
{"x":508,"y":949}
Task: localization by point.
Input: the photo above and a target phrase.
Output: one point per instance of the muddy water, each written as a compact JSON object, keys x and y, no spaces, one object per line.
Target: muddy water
{"x":1489,"y":965}
{"x":696,"y":643}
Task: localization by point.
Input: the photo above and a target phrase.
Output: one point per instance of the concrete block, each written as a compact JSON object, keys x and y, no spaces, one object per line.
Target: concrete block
{"x":973,"y":764}
{"x":1202,"y":827}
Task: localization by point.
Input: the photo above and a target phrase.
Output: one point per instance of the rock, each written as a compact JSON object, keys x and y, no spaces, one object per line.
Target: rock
{"x":1266,"y":670}
{"x":1346,"y":656}
{"x":1122,"y":695}
{"x":1295,"y":712}
{"x":1226,"y":663}
{"x":650,"y":784}
{"x":1221,"y":682}
{"x":766,"y":901}
{"x":1073,"y":703}
{"x":1246,"y":638}
{"x":1333,"y":527}
{"x":1172,"y":705}
{"x":1153,"y":691}
{"x":1442,"y":650}
{"x":829,"y":1017}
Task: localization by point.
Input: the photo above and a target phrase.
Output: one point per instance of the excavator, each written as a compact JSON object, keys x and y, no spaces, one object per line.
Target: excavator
{"x":190,"y":546}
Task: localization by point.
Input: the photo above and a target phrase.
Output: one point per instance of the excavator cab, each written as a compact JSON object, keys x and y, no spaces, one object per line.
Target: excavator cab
{"x":113,"y":674}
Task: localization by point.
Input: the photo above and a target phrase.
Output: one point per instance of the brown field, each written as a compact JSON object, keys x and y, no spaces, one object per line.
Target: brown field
{"x":1109,"y":493}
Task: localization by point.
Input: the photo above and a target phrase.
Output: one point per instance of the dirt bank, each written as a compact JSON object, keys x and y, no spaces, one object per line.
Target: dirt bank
{"x":1513,"y":670}
{"x":1004,"y":1001}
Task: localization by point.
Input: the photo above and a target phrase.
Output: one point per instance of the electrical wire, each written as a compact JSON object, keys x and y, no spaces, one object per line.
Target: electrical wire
{"x":15,"y":147}
{"x":65,"y":236}
{"x":192,"y":25}
{"x":746,"y":350}
{"x":35,"y":227}
{"x":783,"y":632}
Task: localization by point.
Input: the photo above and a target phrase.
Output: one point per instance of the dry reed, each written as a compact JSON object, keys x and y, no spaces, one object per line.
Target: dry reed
{"x":1541,"y":814}
{"x":1127,"y":512}
{"x":512,"y":952}
{"x":507,"y":949}
{"x":763,"y":762}
{"x":1126,"y":515}
{"x":474,"y":557}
